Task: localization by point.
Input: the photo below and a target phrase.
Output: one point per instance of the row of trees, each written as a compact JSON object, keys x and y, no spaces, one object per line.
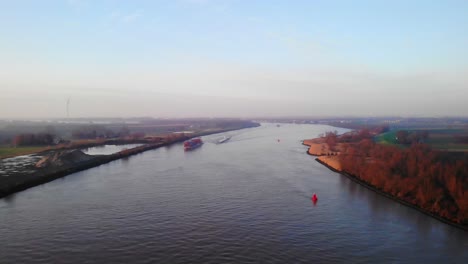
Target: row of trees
{"x":98,"y":131}
{"x":461,"y":139}
{"x":407,"y":138}
{"x":433,"y":180}
{"x":33,"y":139}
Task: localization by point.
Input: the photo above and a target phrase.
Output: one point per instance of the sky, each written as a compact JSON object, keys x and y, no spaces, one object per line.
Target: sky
{"x":233,"y":58}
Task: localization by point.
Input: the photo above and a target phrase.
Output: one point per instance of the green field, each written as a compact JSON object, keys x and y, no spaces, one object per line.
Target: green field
{"x":443,"y":139}
{"x":387,"y":138}
{"x":7,"y":151}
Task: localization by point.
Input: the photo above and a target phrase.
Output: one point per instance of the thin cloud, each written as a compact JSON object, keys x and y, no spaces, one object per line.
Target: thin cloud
{"x":131,"y":17}
{"x":117,"y":16}
{"x":76,"y":4}
{"x":197,"y":1}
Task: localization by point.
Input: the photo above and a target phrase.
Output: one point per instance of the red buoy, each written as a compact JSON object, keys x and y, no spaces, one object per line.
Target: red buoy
{"x":314,"y":198}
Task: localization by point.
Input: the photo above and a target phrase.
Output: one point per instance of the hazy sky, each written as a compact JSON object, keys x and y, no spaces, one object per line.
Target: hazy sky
{"x":187,"y":58}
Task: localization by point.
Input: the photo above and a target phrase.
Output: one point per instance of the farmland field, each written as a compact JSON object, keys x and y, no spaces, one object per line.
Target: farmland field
{"x":443,"y":139}
{"x":7,"y":151}
{"x":387,"y":137}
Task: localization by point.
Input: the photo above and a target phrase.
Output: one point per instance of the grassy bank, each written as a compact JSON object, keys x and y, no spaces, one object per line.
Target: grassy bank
{"x":441,"y":139}
{"x":8,"y":151}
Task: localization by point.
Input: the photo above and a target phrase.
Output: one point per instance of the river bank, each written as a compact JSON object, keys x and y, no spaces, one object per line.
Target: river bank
{"x":320,"y":149}
{"x":332,"y":162}
{"x":19,"y":181}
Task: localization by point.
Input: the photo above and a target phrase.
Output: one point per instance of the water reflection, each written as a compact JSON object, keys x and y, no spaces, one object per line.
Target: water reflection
{"x":392,"y":213}
{"x":10,"y":199}
{"x":108,"y":149}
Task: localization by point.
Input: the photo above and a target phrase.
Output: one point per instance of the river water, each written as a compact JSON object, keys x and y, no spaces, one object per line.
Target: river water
{"x":244,"y":201}
{"x":108,"y":149}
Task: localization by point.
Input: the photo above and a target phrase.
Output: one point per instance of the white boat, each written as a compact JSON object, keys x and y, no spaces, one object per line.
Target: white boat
{"x":224,"y":139}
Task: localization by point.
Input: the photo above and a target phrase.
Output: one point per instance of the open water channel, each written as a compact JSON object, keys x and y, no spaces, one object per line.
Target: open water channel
{"x":243,"y":201}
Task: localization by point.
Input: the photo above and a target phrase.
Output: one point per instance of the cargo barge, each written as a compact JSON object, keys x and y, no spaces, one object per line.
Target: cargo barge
{"x":192,"y":144}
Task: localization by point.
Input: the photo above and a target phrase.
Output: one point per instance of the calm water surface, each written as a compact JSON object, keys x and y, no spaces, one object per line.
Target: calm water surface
{"x":244,"y":201}
{"x":108,"y":149}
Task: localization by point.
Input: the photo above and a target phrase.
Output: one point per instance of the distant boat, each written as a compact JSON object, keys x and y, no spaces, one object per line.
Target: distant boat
{"x":224,"y":139}
{"x":193,"y":144}
{"x":278,"y":125}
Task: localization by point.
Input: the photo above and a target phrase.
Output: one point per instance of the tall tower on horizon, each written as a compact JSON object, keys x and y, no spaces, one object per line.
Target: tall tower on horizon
{"x":68,"y":107}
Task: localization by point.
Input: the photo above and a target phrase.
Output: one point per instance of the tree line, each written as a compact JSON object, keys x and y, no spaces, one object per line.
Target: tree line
{"x":31,"y":139}
{"x":436,"y":181}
